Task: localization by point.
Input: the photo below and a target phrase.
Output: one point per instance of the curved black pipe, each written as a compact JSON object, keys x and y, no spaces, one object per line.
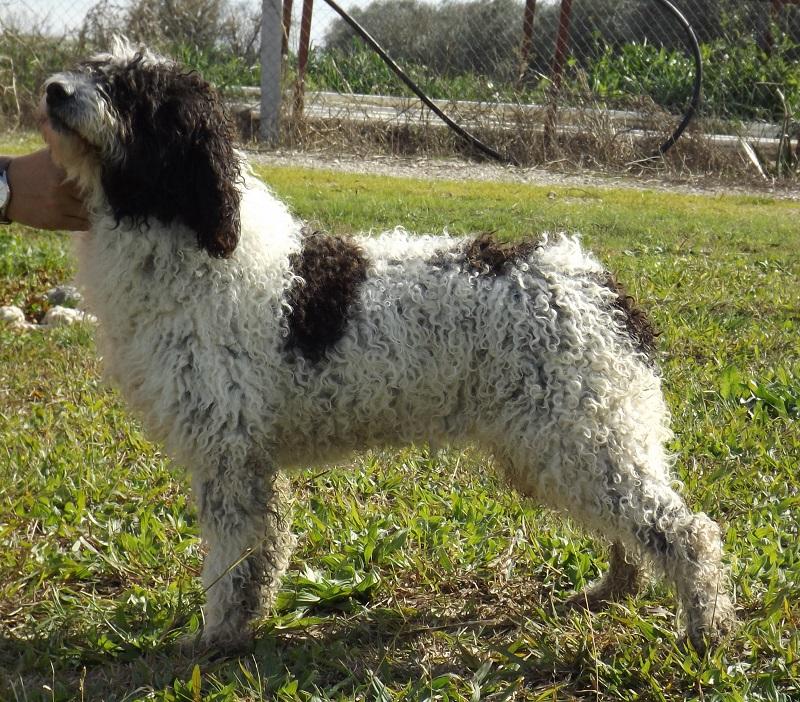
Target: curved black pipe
{"x":694,"y":46}
{"x":488,"y":150}
{"x":412,"y":86}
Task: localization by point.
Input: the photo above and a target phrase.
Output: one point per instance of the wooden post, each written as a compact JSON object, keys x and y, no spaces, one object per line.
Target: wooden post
{"x":562,"y":42}
{"x":527,"y":38}
{"x":559,"y":58}
{"x":271,"y":45}
{"x":768,"y":39}
{"x":302,"y":58}
{"x":287,"y":26}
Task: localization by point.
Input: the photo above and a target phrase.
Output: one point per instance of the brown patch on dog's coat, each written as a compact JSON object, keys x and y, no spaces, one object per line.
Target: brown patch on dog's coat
{"x":488,"y":256}
{"x":332,"y":269}
{"x":637,"y":324}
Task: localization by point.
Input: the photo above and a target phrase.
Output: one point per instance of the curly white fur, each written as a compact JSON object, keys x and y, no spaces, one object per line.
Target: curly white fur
{"x":533,"y":365}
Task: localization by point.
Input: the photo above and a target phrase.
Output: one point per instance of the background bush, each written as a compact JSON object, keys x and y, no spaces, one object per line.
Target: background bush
{"x":220,"y":38}
{"x":741,"y":82}
{"x":621,"y":51}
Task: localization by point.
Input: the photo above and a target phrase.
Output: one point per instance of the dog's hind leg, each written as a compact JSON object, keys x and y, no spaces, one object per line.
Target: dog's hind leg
{"x":624,"y":577}
{"x":646,"y":516}
{"x":645,"y":520}
{"x":245,"y":527}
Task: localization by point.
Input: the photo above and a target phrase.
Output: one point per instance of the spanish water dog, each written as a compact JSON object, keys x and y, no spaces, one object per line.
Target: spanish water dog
{"x":250,"y":344}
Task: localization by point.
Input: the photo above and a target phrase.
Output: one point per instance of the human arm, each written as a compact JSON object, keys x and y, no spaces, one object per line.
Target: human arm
{"x":39,"y":196}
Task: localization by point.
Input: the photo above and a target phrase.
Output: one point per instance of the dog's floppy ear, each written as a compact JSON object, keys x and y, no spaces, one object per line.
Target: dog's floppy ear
{"x":209,"y":167}
{"x":179,"y":162}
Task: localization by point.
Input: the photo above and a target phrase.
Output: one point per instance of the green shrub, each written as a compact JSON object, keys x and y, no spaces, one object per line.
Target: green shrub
{"x":358,"y":69}
{"x":27,"y":60}
{"x":643,"y":69}
{"x":740,"y":81}
{"x":217,"y":66}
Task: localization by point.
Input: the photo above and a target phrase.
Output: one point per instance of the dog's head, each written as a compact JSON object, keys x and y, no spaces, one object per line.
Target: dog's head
{"x":150,"y":139}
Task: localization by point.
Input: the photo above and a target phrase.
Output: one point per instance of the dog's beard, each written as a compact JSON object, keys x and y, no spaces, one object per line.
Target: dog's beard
{"x":70,"y":151}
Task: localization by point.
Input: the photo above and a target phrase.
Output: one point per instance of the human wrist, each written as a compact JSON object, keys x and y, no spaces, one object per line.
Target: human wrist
{"x":40,"y":197}
{"x":5,"y":190}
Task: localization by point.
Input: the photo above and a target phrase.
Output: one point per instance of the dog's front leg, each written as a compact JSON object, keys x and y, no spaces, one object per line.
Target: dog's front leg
{"x":246,"y":529}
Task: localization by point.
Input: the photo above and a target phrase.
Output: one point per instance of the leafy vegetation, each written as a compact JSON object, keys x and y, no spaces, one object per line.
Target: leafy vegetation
{"x":418,"y":576}
{"x":741,"y":82}
{"x":621,"y":50}
{"x":220,"y":38}
{"x":360,"y":70}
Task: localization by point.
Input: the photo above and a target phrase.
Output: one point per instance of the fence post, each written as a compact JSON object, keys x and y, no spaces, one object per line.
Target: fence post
{"x":302,"y":59}
{"x":527,"y":38}
{"x":559,"y":57}
{"x":271,"y":44}
{"x":562,"y":42}
{"x":287,"y":26}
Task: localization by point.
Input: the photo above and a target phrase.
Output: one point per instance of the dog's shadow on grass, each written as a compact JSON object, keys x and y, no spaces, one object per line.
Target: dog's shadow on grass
{"x":353,"y":652}
{"x":343,"y":652}
{"x":71,"y":667}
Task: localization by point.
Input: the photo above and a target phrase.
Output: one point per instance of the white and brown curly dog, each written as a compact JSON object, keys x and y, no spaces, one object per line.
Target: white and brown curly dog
{"x":250,"y":345}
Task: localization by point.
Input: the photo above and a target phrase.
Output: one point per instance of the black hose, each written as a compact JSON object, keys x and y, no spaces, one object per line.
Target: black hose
{"x":488,"y":150}
{"x":698,"y":75}
{"x":457,"y":128}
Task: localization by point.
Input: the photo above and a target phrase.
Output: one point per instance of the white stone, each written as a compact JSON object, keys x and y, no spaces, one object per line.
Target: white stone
{"x":10,"y":314}
{"x":60,"y":316}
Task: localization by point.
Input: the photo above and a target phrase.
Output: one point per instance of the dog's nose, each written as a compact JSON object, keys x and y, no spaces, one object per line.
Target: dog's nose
{"x":58,"y":93}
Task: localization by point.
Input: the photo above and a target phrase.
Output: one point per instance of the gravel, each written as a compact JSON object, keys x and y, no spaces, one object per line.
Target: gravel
{"x":459,"y":169}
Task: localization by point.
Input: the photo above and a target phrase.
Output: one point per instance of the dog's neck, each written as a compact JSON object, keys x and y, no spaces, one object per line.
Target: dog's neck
{"x":117,"y":258}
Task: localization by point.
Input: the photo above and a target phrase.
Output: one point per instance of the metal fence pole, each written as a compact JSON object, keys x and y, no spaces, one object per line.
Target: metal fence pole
{"x":559,"y":58}
{"x":271,"y":43}
{"x":562,"y":42}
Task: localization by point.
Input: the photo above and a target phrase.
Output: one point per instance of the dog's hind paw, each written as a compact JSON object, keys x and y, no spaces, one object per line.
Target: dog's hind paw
{"x":710,"y":634}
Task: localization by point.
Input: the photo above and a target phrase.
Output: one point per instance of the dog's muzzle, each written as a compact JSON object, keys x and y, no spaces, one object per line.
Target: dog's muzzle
{"x":58,"y":93}
{"x":71,"y":104}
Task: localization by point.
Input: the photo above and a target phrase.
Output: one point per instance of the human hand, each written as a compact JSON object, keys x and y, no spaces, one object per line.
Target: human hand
{"x":39,"y":196}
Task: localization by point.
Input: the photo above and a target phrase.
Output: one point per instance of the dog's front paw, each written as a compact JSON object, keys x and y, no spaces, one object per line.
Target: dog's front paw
{"x":217,"y":643}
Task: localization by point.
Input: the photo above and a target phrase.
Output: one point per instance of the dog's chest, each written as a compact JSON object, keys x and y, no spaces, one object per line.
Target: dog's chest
{"x":187,"y":340}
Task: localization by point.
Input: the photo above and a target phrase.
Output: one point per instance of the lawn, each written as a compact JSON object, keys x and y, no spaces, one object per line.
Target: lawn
{"x":417,"y":576}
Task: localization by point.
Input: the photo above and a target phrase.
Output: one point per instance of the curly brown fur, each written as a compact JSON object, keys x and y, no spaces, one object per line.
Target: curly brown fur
{"x":637,"y":324}
{"x":330,"y":271}
{"x":491,"y":257}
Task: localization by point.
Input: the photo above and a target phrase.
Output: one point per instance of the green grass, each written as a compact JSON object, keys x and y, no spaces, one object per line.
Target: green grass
{"x":417,"y":577}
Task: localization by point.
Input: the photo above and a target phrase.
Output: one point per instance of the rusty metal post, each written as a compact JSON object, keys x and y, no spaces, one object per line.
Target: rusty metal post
{"x":287,"y":26}
{"x":559,"y":59}
{"x":302,"y":59}
{"x":767,"y":39}
{"x":527,"y":38}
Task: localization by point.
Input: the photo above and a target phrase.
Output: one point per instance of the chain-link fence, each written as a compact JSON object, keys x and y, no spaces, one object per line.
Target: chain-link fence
{"x":591,"y":81}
